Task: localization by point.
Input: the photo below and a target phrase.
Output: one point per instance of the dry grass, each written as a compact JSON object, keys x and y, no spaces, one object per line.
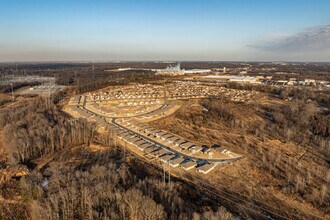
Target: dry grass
{"x":245,"y":176}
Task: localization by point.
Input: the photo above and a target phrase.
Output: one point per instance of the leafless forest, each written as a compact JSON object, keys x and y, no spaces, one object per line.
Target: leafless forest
{"x":56,"y":167}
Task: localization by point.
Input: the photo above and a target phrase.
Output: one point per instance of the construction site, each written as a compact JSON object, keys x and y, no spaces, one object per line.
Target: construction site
{"x":210,"y":143}
{"x":124,"y":112}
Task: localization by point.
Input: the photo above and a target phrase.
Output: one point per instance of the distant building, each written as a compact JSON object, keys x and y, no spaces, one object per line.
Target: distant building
{"x":177,"y":71}
{"x":234,"y":78}
{"x":172,"y":70}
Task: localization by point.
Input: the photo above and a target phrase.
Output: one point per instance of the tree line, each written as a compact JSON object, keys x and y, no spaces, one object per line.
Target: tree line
{"x":37,"y":128}
{"x":104,"y":185}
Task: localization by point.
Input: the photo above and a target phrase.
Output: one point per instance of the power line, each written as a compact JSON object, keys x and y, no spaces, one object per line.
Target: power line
{"x":228,"y":199}
{"x":244,"y":200}
{"x":231,"y":196}
{"x":231,"y":200}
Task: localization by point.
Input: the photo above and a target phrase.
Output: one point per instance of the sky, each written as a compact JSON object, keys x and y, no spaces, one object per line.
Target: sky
{"x":164,"y":30}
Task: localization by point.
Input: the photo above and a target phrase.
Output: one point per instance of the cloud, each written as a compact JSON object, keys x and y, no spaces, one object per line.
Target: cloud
{"x":311,"y":40}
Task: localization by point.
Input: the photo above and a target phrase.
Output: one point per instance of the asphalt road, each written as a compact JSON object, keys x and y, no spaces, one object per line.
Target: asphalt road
{"x":158,"y":143}
{"x":173,"y":150}
{"x":84,"y":106}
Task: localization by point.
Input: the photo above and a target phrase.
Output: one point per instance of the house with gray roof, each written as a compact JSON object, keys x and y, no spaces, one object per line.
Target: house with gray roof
{"x":176,"y":161}
{"x":187,"y":145}
{"x":206,"y":168}
{"x":166,"y":136}
{"x":188,"y":165}
{"x":172,"y":139}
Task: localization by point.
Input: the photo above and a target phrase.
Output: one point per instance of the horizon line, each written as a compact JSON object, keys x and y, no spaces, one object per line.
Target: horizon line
{"x":155,"y":61}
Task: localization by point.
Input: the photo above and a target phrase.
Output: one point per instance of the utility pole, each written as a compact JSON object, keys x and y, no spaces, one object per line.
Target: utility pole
{"x":169,"y":176}
{"x":93,"y":69}
{"x":75,"y":77}
{"x":125,"y":145}
{"x":12,"y":91}
{"x":48,"y":98}
{"x":164,"y":173}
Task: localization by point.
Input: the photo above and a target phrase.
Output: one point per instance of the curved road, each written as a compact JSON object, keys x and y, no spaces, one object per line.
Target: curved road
{"x":113,"y":121}
{"x":173,"y":150}
{"x":84,"y":106}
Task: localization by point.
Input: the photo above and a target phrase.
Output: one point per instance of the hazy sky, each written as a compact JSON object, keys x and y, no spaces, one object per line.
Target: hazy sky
{"x":245,"y":30}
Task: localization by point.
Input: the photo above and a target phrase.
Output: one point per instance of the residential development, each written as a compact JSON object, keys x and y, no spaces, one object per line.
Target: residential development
{"x":125,"y":112}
